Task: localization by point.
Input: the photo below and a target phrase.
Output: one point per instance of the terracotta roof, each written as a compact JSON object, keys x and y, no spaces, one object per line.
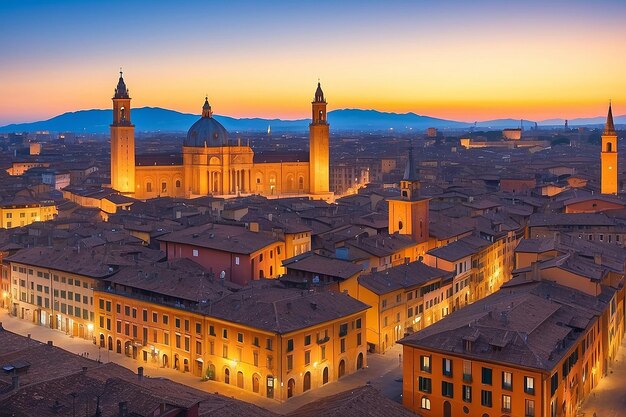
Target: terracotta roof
{"x":531,"y":324}
{"x":283,"y":310}
{"x":313,"y":263}
{"x":358,"y":402}
{"x":224,"y":238}
{"x":404,"y":276}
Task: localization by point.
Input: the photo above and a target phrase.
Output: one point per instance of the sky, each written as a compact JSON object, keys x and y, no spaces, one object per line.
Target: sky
{"x":460,"y":60}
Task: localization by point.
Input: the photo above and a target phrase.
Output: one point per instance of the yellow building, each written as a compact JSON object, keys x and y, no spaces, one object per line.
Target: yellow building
{"x":608,"y":157}
{"x":22,"y":211}
{"x":271,"y":341}
{"x":53,"y":287}
{"x":213,"y":165}
{"x":403,"y":300}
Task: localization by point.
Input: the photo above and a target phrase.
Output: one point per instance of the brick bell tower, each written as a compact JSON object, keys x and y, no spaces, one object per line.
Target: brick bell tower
{"x":122,"y":142}
{"x":608,"y":157}
{"x":408,"y":214}
{"x":319,"y":158}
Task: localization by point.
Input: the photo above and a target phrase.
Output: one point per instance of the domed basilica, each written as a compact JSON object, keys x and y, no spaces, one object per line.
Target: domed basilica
{"x":212,"y":165}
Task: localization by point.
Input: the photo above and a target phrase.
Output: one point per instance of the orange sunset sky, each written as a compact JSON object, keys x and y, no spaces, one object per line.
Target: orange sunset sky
{"x":451,"y":59}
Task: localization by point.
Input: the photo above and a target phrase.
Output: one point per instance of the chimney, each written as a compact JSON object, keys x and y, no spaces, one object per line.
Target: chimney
{"x":123,"y":409}
{"x":534,"y":272}
{"x":597,"y":258}
{"x":15,"y":382}
{"x":140,"y":373}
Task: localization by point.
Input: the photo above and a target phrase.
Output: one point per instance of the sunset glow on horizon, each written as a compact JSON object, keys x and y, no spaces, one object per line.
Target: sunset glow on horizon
{"x":456,"y":60}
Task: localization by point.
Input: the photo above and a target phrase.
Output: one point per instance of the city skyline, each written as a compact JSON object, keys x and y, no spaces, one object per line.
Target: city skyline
{"x":454,"y":60}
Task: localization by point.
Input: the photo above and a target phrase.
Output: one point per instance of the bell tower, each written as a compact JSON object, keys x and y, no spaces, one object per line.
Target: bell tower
{"x":318,"y":145}
{"x":122,"y":142}
{"x":608,"y":157}
{"x":408,"y":214}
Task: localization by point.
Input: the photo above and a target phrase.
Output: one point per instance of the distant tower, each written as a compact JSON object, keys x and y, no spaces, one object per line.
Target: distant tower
{"x":318,"y":145}
{"x":608,"y":157}
{"x":122,"y":142}
{"x":408,"y":214}
{"x":566,"y":124}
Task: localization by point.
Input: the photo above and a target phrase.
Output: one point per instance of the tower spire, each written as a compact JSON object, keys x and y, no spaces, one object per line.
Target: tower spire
{"x":609,"y":127}
{"x":121,"y":91}
{"x":206,"y":109}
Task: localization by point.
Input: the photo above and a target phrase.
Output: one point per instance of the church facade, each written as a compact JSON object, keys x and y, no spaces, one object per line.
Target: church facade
{"x":211,"y":165}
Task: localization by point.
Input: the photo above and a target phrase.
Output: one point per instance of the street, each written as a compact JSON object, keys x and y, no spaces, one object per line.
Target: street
{"x":608,"y":399}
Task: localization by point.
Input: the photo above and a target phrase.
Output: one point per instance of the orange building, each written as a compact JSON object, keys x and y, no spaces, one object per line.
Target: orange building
{"x":211,"y":164}
{"x":608,"y":157}
{"x":525,"y":351}
{"x":272,"y":341}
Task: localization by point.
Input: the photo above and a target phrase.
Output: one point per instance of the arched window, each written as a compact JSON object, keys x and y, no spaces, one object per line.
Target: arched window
{"x":609,"y":147}
{"x":425,"y":403}
{"x":177,"y":183}
{"x":149,"y":187}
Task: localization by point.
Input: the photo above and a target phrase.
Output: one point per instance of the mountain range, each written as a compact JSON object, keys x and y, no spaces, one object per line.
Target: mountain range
{"x":155,"y":119}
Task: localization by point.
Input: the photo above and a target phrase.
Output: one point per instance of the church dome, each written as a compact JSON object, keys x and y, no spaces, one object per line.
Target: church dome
{"x":207,"y":131}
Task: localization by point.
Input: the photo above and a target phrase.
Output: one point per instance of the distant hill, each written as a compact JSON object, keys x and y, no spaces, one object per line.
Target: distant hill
{"x":155,"y":119}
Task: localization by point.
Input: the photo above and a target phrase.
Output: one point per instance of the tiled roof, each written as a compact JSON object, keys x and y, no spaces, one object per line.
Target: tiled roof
{"x":527,"y":323}
{"x":283,"y":310}
{"x":221,"y":237}
{"x":316,"y":264}
{"x":401,"y":277}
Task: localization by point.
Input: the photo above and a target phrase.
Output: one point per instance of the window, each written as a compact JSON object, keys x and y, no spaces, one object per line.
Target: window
{"x":166,"y":338}
{"x":447,"y":367}
{"x":529,"y":385}
{"x":177,"y":322}
{"x":323,"y":353}
{"x":198,"y":328}
{"x":198,"y":348}
{"x":447,"y":389}
{"x":425,"y":363}
{"x":506,"y":403}
{"x":398,"y":298}
{"x":307,"y":340}
{"x":485,"y":398}
{"x":255,"y":341}
{"x":149,"y":187}
{"x":145,"y":315}
{"x":486,"y":376}
{"x":166,"y":319}
{"x":289,"y":345}
{"x":343,"y":329}
{"x":343,"y":345}
{"x":307,"y":358}
{"x":268,"y":344}
{"x":358,"y":339}
{"x":425,"y":403}
{"x":236,"y":260}
{"x":467,"y":393}
{"x":507,"y":381}
{"x":530,"y":408}
{"x":155,"y":317}
{"x":187,"y":326}
{"x":187,"y":342}
{"x":194,"y":252}
{"x":424,"y":384}
{"x":240,"y":337}
{"x":554,"y":383}
{"x":225,"y":351}
{"x":358,"y":323}
{"x":211,"y":330}
{"x":467,"y":371}
{"x":225,"y":333}
{"x":178,"y":338}
{"x":289,"y":362}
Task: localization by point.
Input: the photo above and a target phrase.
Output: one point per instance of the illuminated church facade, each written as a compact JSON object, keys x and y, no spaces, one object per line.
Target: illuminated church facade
{"x":211,"y":165}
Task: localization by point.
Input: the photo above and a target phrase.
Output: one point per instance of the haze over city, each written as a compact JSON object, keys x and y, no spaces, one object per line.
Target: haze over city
{"x":458,"y":60}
